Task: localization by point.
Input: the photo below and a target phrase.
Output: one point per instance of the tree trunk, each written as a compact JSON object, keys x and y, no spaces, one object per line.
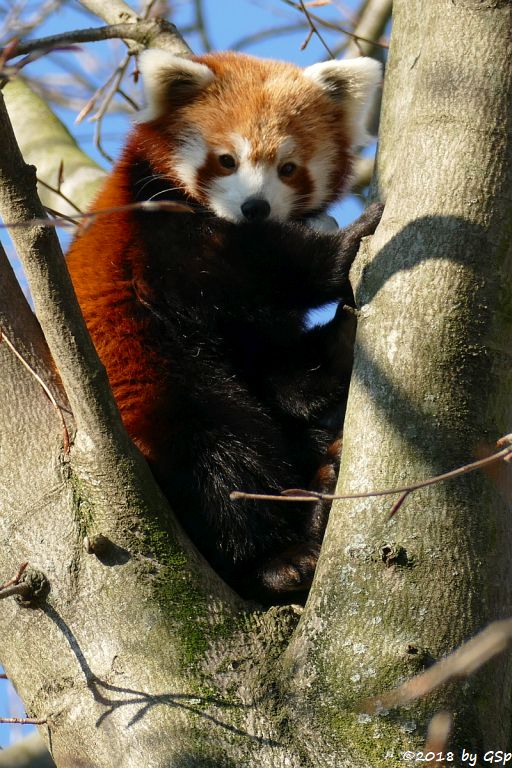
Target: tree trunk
{"x":430,"y":391}
{"x":139,"y":655}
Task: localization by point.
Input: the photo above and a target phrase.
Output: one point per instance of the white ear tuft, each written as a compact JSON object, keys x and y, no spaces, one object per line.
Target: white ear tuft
{"x":352,"y":83}
{"x":169,"y":81}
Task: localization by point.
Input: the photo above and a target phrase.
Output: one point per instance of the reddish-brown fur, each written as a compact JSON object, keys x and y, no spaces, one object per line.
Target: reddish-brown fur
{"x":105,"y":291}
{"x":103,"y":285}
{"x":266,"y":101}
{"x":128,"y":268}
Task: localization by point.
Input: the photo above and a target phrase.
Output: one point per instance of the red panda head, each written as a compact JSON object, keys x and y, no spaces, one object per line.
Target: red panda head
{"x":251,"y":138}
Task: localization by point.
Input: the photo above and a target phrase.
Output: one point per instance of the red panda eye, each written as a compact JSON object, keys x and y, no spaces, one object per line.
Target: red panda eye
{"x":288,"y":169}
{"x":227,"y":161}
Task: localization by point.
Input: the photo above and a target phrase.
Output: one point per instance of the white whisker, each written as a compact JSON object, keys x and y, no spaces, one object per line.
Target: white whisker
{"x":148,"y":180}
{"x":163,"y":192}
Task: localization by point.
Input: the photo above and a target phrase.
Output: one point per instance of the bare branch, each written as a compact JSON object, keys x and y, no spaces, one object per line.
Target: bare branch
{"x":396,"y":506}
{"x":15,"y":589}
{"x":66,"y":219}
{"x":57,"y":191}
{"x":83,"y":377}
{"x":493,"y":640}
{"x":439,"y":730}
{"x":141,"y":31}
{"x":370,"y":27}
{"x":117,"y":12}
{"x":201,"y":25}
{"x":46,"y":390}
{"x":266,"y":34}
{"x":14,"y":25}
{"x":111,"y":87}
{"x":302,"y":494}
{"x":23,"y":720}
{"x":313,"y":30}
{"x":15,"y":579}
{"x":335,"y":27}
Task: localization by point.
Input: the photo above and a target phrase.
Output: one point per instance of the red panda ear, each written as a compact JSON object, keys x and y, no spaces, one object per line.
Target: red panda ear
{"x":351,"y":83}
{"x":169,"y":81}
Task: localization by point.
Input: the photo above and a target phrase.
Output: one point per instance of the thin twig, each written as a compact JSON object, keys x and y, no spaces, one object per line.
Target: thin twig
{"x":336,"y":27}
{"x":15,"y":589}
{"x":307,"y":39}
{"x":110,"y":85}
{"x":115,"y":81}
{"x":201,"y":25}
{"x":466,"y":660}
{"x":14,"y":24}
{"x":126,"y":96}
{"x":23,"y":720}
{"x":15,"y":579}
{"x":59,"y":215}
{"x":396,"y":506}
{"x":438,"y":734}
{"x":58,"y":191}
{"x":265,"y":34}
{"x":151,"y":206}
{"x":47,"y":391}
{"x":300,"y":494}
{"x":313,"y":30}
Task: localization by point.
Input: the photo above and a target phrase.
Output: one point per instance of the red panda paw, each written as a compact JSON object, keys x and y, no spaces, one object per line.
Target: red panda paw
{"x":292,"y":571}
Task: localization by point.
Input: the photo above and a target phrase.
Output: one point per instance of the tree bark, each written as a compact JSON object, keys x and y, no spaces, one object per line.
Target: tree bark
{"x":49,"y":147}
{"x":430,"y":391}
{"x":140,"y":655}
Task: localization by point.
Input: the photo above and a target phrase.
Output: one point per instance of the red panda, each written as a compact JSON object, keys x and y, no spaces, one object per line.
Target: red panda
{"x":200,"y":316}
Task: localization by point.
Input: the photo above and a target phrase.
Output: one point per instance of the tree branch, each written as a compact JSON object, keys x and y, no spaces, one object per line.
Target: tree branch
{"x":142,"y":31}
{"x":118,"y":12}
{"x":369,"y":28}
{"x":82,"y":374}
{"x":462,"y":663}
{"x":46,"y":389}
{"x":61,"y":163}
{"x":313,"y":30}
{"x":333,"y":26}
{"x":63,"y":220}
{"x":302,"y":494}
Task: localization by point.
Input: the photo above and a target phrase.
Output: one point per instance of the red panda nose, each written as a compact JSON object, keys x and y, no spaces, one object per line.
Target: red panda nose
{"x":255,"y":209}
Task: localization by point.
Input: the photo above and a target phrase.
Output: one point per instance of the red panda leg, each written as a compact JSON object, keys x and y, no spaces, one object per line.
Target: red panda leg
{"x":293,"y":569}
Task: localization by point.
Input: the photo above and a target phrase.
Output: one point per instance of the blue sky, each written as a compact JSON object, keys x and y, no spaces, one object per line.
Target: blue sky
{"x":227,"y":21}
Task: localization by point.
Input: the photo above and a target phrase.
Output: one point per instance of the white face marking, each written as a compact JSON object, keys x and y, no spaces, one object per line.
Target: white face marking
{"x":189,"y":157}
{"x":320,"y":169}
{"x":228,"y":193}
